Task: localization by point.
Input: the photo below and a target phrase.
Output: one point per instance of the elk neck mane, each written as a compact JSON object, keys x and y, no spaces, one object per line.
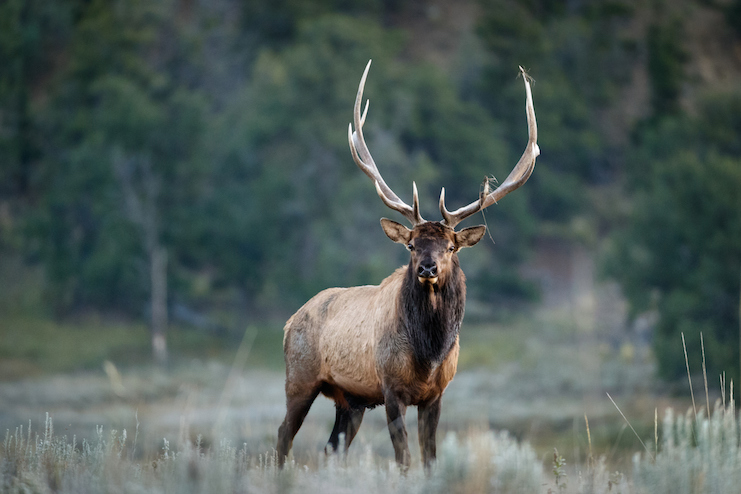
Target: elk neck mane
{"x":431,"y":316}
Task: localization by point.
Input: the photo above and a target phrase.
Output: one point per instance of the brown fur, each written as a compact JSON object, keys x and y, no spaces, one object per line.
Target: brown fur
{"x":356,"y":345}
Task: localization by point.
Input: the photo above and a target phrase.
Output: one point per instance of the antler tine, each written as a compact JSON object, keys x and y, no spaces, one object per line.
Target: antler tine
{"x":415,"y":203}
{"x":447,"y":218}
{"x":518,"y":176}
{"x":362,"y":157}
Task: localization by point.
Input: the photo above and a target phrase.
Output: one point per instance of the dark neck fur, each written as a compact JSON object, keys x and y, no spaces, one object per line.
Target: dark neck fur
{"x":431,"y":321}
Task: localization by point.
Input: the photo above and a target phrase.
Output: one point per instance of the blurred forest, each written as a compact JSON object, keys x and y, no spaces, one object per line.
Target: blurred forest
{"x":193,"y":155}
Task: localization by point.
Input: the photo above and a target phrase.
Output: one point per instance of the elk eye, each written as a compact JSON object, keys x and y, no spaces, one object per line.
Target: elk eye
{"x":451,"y":248}
{"x":410,"y":246}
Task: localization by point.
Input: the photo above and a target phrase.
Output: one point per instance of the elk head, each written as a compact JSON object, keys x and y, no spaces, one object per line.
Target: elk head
{"x":433,"y":245}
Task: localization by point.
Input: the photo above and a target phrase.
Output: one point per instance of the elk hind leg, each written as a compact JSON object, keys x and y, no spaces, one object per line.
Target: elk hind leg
{"x":347,"y":422}
{"x":297,"y":406}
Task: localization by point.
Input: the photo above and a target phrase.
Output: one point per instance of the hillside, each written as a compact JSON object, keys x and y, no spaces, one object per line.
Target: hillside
{"x":187,"y":162}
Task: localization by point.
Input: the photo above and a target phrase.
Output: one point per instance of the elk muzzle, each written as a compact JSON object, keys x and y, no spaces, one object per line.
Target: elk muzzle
{"x":427,"y":271}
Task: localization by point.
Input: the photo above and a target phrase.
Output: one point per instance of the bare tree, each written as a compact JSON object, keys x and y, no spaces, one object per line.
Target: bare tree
{"x":141,"y":189}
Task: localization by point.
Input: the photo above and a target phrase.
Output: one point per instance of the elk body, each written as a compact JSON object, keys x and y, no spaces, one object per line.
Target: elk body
{"x":396,"y":343}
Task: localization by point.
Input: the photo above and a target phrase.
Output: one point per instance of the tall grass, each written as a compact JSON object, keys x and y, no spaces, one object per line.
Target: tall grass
{"x":44,"y":462}
{"x":700,"y":455}
{"x":695,"y":455}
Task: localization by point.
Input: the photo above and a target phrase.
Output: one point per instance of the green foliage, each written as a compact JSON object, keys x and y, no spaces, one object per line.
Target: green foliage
{"x":580,"y":59}
{"x":278,"y":22}
{"x":29,"y":31}
{"x":733,"y":15}
{"x":250,"y":187}
{"x":117,"y":96}
{"x":666,"y":64}
{"x":285,"y":136}
{"x":679,"y":252}
{"x":281,"y":171}
{"x":230,"y":118}
{"x":559,"y":471}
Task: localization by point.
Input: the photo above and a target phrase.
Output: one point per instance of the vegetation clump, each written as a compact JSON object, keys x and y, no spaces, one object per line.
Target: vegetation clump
{"x":695,"y":455}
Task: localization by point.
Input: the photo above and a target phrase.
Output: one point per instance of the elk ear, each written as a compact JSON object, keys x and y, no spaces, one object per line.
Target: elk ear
{"x":469,"y":237}
{"x":396,"y":231}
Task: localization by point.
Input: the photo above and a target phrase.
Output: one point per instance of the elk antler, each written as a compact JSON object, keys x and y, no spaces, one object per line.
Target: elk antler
{"x":364,"y":160}
{"x":518,"y":176}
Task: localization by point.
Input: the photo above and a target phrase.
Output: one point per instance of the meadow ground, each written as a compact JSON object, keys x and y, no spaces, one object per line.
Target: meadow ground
{"x":522,"y":390}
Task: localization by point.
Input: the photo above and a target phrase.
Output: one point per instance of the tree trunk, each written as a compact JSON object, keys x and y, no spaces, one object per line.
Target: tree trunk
{"x":140,"y":199}
{"x":158,"y":262}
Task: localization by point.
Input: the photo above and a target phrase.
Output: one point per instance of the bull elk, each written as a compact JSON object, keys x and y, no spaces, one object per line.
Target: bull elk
{"x":395,"y":343}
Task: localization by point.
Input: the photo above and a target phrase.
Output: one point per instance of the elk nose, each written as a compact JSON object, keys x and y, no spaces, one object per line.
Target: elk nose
{"x":427,"y":269}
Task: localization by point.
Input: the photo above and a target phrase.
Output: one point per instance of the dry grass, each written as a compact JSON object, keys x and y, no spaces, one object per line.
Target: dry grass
{"x":44,"y":462}
{"x":700,"y":455}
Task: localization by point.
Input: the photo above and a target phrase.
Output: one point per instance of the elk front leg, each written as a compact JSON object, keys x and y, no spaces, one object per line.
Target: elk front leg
{"x":395,"y":412}
{"x":428,"y":416}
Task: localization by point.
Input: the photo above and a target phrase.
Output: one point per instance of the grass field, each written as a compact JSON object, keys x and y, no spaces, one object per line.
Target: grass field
{"x":208,"y":423}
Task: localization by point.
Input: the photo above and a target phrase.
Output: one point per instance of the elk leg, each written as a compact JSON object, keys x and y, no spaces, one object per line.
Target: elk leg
{"x":297,"y":407}
{"x":395,"y":412}
{"x":347,"y":422}
{"x":428,"y":417}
